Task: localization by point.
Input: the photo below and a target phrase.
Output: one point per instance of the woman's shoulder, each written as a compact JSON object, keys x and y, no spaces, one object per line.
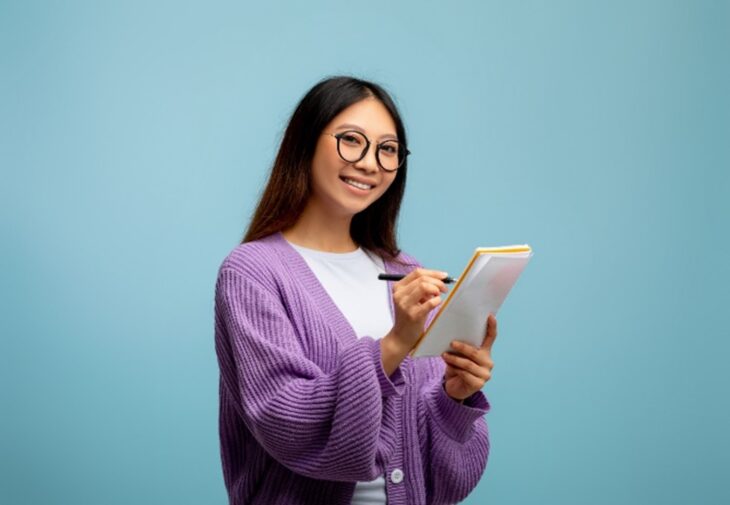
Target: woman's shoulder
{"x":256,"y":259}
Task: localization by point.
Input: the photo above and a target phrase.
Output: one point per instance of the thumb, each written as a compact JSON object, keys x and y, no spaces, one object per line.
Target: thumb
{"x":491,"y":333}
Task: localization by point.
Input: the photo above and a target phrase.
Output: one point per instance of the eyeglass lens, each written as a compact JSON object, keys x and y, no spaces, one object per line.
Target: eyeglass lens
{"x":353,"y":146}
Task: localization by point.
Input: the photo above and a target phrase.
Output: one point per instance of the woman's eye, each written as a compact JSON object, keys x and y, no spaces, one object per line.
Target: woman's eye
{"x":351,"y":139}
{"x":389,"y":149}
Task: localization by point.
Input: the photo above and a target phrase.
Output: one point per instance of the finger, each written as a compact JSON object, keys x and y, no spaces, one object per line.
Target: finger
{"x":491,"y":333}
{"x":421,"y":292}
{"x":470,"y":380}
{"x":422,"y":286}
{"x":426,"y":281}
{"x":476,"y":354}
{"x":441,"y":285}
{"x":422,"y":272}
{"x":409,"y":295}
{"x":466,"y":365}
{"x":427,"y":306}
{"x":435,"y":276}
{"x":480,"y":356}
{"x":416,"y":307}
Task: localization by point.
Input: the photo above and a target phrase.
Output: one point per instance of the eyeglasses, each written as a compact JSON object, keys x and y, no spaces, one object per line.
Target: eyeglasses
{"x":352,"y":146}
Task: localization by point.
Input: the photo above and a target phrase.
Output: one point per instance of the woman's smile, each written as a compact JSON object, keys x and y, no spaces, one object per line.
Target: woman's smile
{"x":358,"y":187}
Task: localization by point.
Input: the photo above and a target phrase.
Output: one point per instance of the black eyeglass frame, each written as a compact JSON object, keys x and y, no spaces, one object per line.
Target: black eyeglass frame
{"x":368,"y":143}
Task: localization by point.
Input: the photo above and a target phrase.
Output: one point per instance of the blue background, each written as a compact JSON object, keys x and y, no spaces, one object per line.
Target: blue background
{"x":135,"y":138}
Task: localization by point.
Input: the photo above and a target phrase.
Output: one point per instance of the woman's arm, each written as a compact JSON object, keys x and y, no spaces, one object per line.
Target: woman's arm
{"x":321,"y":425}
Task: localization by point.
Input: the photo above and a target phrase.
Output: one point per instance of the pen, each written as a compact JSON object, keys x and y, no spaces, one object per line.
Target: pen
{"x":397,"y":277}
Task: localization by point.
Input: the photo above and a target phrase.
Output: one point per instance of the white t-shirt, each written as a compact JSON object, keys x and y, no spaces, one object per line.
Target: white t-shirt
{"x":351,"y":280}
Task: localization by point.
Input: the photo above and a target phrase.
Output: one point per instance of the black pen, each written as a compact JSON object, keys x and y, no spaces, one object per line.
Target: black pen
{"x":397,"y":277}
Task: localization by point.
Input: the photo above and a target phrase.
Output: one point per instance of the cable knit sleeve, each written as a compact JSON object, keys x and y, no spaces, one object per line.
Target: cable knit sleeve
{"x":320,"y":425}
{"x":454,"y":437}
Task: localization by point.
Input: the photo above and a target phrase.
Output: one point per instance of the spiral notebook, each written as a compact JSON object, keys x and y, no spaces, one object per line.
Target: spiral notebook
{"x":482,"y":288}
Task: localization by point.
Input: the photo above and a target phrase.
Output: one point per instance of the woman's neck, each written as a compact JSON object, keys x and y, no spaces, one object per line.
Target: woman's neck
{"x":317,"y":230}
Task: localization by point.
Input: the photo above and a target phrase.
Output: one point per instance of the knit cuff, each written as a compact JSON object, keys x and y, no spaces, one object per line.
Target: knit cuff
{"x":393,"y":385}
{"x":454,"y":418}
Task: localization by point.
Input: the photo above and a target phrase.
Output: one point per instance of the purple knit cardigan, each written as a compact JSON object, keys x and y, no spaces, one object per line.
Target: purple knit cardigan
{"x":306,"y":409}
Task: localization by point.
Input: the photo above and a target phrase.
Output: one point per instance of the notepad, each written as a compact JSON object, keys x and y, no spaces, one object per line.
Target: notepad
{"x":481,"y":289}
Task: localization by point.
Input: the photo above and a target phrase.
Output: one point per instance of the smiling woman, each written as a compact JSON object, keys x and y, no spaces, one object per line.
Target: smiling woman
{"x":347,"y":176}
{"x":319,"y":400}
{"x":328,"y":127}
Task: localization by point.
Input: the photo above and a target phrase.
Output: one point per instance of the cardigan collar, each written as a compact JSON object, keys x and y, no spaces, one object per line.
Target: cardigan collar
{"x":300,"y":269}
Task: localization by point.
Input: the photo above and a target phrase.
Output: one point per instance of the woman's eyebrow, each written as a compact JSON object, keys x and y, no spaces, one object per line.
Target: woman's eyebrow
{"x":350,"y":126}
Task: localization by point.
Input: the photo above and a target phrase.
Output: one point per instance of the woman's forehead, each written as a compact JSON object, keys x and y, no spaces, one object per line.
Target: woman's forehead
{"x":369,"y":115}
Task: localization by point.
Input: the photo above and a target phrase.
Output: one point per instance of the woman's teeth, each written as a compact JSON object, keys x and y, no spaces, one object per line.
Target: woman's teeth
{"x":357,"y":184}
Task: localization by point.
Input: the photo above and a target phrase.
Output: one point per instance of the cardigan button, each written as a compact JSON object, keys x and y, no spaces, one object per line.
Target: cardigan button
{"x":396,"y":476}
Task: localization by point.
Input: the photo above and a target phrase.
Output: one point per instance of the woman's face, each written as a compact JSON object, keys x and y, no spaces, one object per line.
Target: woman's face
{"x":332,"y":176}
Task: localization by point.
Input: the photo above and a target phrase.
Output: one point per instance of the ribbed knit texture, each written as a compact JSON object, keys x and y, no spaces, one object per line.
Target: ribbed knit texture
{"x":306,"y":409}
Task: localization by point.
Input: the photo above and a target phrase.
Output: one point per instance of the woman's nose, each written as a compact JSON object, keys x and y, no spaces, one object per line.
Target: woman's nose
{"x":369,"y":162}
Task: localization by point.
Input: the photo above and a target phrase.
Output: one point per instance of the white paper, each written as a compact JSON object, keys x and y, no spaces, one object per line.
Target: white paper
{"x":485,"y":288}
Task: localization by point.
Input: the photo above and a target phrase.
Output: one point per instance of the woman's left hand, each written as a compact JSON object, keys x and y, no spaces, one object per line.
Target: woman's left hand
{"x":467,"y":374}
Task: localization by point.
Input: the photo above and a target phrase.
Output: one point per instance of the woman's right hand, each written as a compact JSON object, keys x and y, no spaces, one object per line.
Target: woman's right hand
{"x":414,"y":297}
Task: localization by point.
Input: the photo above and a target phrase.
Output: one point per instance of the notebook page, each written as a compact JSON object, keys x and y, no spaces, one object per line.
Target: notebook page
{"x":488,"y":282}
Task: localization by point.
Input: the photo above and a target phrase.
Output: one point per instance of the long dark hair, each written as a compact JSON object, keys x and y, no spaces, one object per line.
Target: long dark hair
{"x":289,"y":186}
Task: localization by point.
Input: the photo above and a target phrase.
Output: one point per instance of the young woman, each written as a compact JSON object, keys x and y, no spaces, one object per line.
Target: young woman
{"x":319,"y":400}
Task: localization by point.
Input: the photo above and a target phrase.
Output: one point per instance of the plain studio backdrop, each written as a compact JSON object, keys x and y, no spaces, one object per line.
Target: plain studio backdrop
{"x":136,"y":136}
